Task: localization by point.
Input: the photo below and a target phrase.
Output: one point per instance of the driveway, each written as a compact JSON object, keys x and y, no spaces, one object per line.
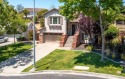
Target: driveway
{"x":10,"y":41}
{"x":24,"y":60}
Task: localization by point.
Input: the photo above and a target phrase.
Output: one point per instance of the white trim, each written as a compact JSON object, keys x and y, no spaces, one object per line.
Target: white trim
{"x":57,"y":20}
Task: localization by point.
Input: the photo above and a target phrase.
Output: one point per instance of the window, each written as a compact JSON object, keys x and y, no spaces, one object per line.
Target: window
{"x":54,"y":20}
{"x":120,"y":22}
{"x":50,"y":20}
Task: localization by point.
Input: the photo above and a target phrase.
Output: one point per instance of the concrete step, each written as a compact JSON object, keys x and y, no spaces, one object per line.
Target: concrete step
{"x":69,"y":42}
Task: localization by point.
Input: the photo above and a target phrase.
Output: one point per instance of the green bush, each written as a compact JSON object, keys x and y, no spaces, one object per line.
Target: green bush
{"x":116,"y":41}
{"x":42,"y":22}
{"x":30,"y":35}
{"x":21,"y":38}
{"x":111,"y":32}
{"x":113,"y":55}
{"x":89,"y":47}
{"x":123,"y":56}
{"x":108,"y":52}
{"x":36,"y":18}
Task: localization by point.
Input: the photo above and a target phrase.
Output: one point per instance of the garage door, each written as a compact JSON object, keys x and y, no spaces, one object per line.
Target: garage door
{"x":52,"y":36}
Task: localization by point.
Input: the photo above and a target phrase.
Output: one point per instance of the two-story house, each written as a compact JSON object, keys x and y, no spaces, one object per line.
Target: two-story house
{"x":58,"y":28}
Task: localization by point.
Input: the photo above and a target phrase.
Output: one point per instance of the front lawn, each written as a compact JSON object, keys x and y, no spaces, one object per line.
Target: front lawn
{"x":11,"y":50}
{"x":66,"y":60}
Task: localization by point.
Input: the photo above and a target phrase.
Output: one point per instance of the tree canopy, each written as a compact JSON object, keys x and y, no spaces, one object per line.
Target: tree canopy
{"x":40,"y":15}
{"x":26,"y":12}
{"x":19,"y":8}
{"x":105,"y":11}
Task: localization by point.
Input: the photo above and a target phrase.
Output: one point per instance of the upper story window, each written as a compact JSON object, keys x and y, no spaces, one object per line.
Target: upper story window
{"x":54,"y":20}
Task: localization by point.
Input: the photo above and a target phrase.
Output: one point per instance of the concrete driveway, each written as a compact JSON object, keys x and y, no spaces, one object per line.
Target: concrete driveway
{"x":10,"y":41}
{"x":13,"y":65}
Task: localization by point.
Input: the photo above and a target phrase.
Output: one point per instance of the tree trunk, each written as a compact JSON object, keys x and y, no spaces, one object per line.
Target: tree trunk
{"x":102,"y":34}
{"x":103,"y":44}
{"x":14,"y":38}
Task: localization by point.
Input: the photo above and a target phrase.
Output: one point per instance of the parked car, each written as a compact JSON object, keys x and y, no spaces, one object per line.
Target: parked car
{"x":3,"y":39}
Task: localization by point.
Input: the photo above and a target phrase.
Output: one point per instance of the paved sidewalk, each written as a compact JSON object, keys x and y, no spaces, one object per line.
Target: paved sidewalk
{"x":24,"y":60}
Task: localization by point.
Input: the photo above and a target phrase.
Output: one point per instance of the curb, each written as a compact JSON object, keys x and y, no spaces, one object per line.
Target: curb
{"x":67,"y":72}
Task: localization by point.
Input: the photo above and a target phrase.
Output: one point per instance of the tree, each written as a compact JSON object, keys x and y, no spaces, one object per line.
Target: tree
{"x":19,"y":8}
{"x":40,"y":15}
{"x":86,"y":24}
{"x":26,"y":12}
{"x":10,"y":20}
{"x":104,"y":10}
{"x":111,"y":32}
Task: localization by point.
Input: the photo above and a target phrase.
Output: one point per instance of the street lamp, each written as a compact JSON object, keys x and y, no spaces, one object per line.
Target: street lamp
{"x":34,"y":64}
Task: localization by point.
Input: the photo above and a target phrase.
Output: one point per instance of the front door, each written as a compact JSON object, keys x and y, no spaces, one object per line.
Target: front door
{"x":73,"y":29}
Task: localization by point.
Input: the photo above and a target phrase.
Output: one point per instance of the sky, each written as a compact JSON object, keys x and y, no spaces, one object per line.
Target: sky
{"x":39,"y":3}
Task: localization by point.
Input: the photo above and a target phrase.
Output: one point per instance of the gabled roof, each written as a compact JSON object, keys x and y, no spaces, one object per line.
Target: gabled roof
{"x":54,"y":9}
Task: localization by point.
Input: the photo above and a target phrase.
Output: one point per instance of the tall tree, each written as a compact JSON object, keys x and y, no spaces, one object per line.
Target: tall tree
{"x":4,"y":14}
{"x":19,"y":8}
{"x":26,"y":12}
{"x":104,"y":10}
{"x":40,"y":15}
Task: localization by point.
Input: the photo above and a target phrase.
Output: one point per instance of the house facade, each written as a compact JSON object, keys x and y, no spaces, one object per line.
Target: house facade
{"x":55,"y":26}
{"x":58,"y":28}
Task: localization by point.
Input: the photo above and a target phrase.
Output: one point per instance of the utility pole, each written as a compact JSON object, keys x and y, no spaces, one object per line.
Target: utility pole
{"x":34,"y":60}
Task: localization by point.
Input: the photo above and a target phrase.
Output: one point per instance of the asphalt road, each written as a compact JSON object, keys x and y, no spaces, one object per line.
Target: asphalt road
{"x":50,"y":76}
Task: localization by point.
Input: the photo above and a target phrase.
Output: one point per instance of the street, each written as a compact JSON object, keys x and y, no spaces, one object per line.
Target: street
{"x":50,"y":76}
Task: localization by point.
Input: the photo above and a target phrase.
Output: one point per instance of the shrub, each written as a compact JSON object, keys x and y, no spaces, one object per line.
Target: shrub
{"x":115,"y":42}
{"x":108,"y":52}
{"x":21,"y":38}
{"x":89,"y":47}
{"x":113,"y":55}
{"x":123,"y":56}
{"x":30,"y":35}
{"x":111,"y":32}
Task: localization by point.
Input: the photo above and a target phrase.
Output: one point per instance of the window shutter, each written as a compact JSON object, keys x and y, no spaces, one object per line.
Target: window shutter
{"x":61,"y":20}
{"x":48,"y":21}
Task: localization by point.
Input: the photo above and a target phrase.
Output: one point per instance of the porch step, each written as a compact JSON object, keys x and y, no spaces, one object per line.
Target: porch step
{"x":69,"y":42}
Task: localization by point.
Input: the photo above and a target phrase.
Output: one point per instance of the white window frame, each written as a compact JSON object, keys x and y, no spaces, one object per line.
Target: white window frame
{"x":58,"y":20}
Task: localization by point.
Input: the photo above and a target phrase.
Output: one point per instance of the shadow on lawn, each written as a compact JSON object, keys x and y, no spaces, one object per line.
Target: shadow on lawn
{"x":93,"y":59}
{"x":14,"y":46}
{"x":24,"y":58}
{"x":49,"y":63}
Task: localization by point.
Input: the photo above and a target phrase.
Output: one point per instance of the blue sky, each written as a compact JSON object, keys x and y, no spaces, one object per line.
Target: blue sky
{"x":39,"y":3}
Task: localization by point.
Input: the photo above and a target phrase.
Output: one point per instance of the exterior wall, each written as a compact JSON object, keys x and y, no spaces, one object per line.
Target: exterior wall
{"x":69,"y":32}
{"x":62,"y":26}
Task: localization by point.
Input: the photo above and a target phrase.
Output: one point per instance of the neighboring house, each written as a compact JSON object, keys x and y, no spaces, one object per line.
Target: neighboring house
{"x":30,"y":28}
{"x":58,"y":28}
{"x":30,"y":15}
{"x":121,"y":26}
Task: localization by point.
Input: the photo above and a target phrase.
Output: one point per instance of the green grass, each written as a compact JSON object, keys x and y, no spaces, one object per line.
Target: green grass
{"x":11,"y":50}
{"x":66,"y":60}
